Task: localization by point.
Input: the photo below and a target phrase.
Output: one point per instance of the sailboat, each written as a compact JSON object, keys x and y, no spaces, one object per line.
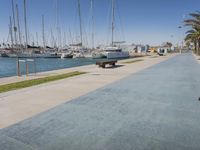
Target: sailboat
{"x":28,"y":51}
{"x":114,"y":51}
{"x":76,"y":50}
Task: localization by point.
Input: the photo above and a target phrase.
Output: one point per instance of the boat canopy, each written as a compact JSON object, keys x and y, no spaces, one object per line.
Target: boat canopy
{"x":78,"y":44}
{"x":119,"y":42}
{"x":29,"y":46}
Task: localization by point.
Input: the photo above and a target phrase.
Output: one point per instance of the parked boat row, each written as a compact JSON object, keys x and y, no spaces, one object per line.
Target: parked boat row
{"x":107,"y":53}
{"x":20,"y":49}
{"x":34,"y":55}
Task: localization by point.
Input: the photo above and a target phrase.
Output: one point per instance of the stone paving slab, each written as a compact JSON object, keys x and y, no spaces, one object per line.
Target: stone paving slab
{"x":12,"y":144}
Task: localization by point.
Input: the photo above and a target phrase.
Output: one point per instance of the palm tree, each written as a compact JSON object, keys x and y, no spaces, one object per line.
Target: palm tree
{"x":193,"y":35}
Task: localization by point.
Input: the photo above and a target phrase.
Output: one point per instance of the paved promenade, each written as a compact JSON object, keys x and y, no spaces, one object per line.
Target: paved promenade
{"x":18,"y":105}
{"x":156,"y":108}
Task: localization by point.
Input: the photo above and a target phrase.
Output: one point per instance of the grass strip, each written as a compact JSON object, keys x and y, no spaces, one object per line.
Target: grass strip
{"x":133,"y":61}
{"x":154,"y":56}
{"x":33,"y":82}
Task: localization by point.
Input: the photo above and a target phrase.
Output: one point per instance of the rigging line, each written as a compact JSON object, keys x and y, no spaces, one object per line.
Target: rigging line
{"x":25,"y":24}
{"x":11,"y":33}
{"x":14,"y":23}
{"x":108,"y":29}
{"x":89,"y":19}
{"x":80,"y":22}
{"x":54,"y":16}
{"x":120,"y":20}
{"x":113,"y":21}
{"x":75,"y":27}
{"x":18,"y":24}
{"x":84,"y":35}
{"x":71,"y":36}
{"x":8,"y":37}
{"x":93,"y":23}
{"x":43,"y":32}
{"x":47,"y":37}
{"x":89,"y":22}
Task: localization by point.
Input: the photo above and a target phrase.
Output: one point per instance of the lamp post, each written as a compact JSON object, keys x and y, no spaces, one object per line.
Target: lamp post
{"x":181,"y":45}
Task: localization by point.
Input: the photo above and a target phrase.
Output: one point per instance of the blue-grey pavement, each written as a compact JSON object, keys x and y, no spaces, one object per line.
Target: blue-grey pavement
{"x":155,"y":109}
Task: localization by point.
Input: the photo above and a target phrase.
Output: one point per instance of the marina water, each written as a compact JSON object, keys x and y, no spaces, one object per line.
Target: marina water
{"x":8,"y":65}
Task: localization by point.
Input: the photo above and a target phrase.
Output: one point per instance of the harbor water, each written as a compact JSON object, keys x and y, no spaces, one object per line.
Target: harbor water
{"x":8,"y":65}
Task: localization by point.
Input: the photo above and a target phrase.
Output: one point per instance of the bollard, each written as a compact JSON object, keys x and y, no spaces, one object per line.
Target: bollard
{"x":27,"y":65}
{"x":27,"y":69}
{"x":23,"y":61}
{"x":18,"y":68}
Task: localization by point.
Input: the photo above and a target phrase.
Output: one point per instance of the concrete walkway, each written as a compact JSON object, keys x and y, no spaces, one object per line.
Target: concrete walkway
{"x":18,"y":105}
{"x":157,"y":108}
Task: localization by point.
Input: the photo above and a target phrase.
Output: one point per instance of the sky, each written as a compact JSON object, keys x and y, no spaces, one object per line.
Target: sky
{"x":136,"y":21}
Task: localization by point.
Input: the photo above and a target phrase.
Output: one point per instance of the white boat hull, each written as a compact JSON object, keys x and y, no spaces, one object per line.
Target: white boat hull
{"x":98,"y":55}
{"x":114,"y":55}
{"x":66,"y":55}
{"x":78,"y":55}
{"x":34,"y":55}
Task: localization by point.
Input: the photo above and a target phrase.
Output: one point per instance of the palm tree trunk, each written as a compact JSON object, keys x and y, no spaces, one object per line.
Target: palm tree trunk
{"x":198,"y":49}
{"x":195,"y":47}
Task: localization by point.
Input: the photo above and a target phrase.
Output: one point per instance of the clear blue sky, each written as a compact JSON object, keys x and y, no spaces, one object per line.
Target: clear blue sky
{"x":138,"y":21}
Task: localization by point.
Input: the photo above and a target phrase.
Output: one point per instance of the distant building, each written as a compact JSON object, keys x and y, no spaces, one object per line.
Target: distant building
{"x":162,"y":51}
{"x":127,"y":47}
{"x":142,"y":48}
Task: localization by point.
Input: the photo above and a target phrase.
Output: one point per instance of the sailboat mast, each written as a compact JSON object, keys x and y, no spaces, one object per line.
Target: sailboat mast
{"x":113,"y":21}
{"x":37,"y":39}
{"x":25,"y":24}
{"x":14,"y":26}
{"x":65,"y":39}
{"x":11,"y":33}
{"x":80,"y":22}
{"x":70,"y":36}
{"x":92,"y":9}
{"x":52,"y":39}
{"x":18,"y":24}
{"x":58,"y":26}
{"x":43,"y":32}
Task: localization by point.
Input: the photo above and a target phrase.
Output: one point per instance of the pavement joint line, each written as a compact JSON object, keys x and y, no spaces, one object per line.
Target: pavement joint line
{"x":18,"y":141}
{"x":156,"y":139}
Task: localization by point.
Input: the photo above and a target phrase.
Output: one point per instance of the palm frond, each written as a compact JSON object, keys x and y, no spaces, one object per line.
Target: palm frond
{"x":190,"y":31}
{"x":195,"y":15}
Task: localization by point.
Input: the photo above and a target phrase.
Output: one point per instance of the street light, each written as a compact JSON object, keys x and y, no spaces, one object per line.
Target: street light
{"x":180,"y":27}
